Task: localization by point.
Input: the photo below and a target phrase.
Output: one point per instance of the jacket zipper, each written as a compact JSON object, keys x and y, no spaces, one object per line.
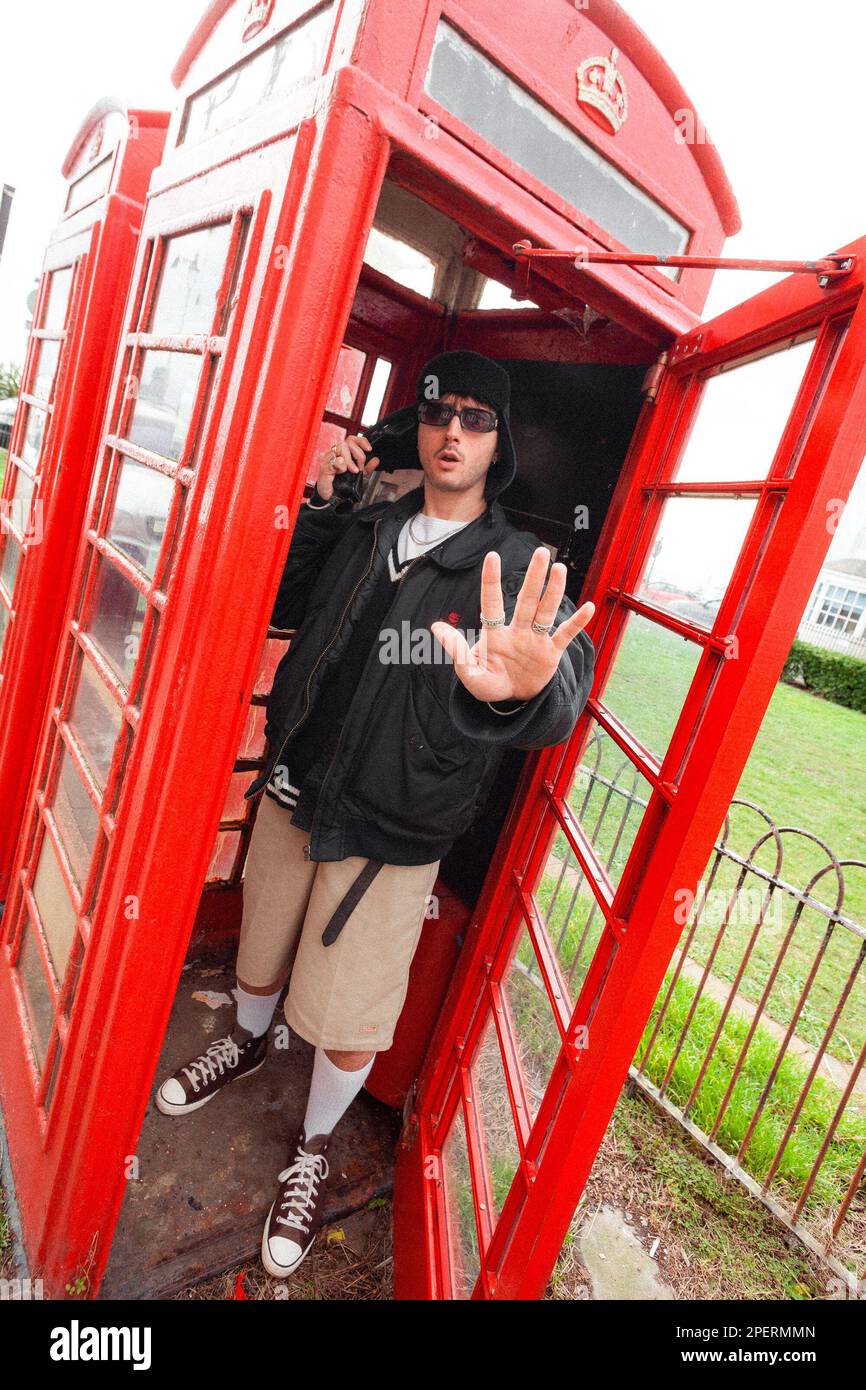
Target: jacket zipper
{"x":327,"y":648}
{"x":400,"y":579}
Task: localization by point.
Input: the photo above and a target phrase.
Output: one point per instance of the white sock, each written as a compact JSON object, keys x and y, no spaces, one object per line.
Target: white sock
{"x":255,"y":1011}
{"x":332,"y":1091}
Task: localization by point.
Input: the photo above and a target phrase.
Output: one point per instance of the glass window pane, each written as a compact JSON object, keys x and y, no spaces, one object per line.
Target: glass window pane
{"x":571,"y":915}
{"x":651,"y":656}
{"x":90,"y":186}
{"x":95,"y":720}
{"x":34,"y":431}
{"x":22,"y":491}
{"x":235,"y":807}
{"x":166,"y":395}
{"x":37,"y":996}
{"x":697,"y":545}
{"x":376,"y":393}
{"x":192,"y":269}
{"x":76,"y":817}
{"x":347,"y":377}
{"x":116,"y":618}
{"x":58,"y":293}
{"x":741,"y":416}
{"x":490,"y":102}
{"x":138,"y":517}
{"x":496,"y":295}
{"x":11,"y":558}
{"x":292,"y":60}
{"x":400,"y":262}
{"x":252,"y":744}
{"x":462,"y":1231}
{"x":609,"y":797}
{"x":329,"y":433}
{"x":495,"y":1116}
{"x":46,"y":366}
{"x":273,"y":652}
{"x":538,"y":1038}
{"x":224,"y":856}
{"x":56,"y":911}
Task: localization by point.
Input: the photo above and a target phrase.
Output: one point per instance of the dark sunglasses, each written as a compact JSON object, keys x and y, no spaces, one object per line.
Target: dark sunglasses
{"x":472,"y":417}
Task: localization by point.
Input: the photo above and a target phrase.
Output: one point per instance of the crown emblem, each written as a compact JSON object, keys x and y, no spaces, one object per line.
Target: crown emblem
{"x":601,"y":89}
{"x":257,"y":15}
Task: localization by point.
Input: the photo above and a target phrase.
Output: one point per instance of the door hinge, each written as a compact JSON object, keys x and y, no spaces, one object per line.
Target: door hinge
{"x":653,"y":378}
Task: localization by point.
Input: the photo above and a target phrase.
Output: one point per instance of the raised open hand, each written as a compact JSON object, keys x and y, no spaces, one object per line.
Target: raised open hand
{"x":515,"y":660}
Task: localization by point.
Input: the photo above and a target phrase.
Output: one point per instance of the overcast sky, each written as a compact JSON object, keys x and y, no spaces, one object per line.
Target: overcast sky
{"x":777,"y":83}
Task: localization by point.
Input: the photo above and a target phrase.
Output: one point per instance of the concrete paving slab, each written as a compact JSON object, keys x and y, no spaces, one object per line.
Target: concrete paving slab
{"x":619,"y":1266}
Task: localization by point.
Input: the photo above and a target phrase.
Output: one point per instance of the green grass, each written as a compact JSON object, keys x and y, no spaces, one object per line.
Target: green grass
{"x":807,"y":770}
{"x":735,"y":1249}
{"x":2,"y":465}
{"x":813,"y":1121}
{"x":539,"y":1044}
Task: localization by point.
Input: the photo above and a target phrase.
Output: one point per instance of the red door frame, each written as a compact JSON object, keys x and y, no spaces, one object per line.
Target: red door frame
{"x":815,"y":466}
{"x":99,"y":243}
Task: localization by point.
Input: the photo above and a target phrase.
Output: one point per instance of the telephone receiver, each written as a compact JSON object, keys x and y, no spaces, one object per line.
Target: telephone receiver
{"x":390,"y":443}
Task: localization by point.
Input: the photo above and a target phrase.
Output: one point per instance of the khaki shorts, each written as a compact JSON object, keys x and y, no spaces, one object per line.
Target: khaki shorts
{"x":346,"y":996}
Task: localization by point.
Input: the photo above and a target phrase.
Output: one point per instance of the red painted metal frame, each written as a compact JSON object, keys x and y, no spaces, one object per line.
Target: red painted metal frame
{"x":99,"y":242}
{"x":814,"y":467}
{"x":831,"y":266}
{"x":202,"y":640}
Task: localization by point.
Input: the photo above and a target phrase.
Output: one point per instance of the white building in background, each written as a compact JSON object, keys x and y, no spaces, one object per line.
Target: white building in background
{"x":835,"y":615}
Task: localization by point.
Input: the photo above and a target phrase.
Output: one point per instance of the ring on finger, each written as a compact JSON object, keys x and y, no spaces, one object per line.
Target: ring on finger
{"x":492,"y":622}
{"x":544,"y":628}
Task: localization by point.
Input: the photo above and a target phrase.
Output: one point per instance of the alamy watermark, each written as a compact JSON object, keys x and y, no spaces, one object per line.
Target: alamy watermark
{"x":418,"y":646}
{"x":718,"y":905}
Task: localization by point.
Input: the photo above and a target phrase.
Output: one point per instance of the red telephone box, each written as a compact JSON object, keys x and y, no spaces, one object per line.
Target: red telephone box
{"x":253,"y":330}
{"x":64,"y":387}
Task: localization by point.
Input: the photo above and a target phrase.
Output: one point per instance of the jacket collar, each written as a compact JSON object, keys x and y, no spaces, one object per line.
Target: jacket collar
{"x":466,"y":548}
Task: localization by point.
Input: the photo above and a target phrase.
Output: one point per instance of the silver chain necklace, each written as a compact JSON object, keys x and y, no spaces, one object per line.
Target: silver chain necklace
{"x":437,"y":539}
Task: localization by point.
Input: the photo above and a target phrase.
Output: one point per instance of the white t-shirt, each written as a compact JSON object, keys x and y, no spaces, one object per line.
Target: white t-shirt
{"x":430,"y":529}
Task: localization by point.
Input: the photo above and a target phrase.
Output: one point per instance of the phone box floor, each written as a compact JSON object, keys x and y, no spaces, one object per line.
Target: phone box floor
{"x":204,"y":1182}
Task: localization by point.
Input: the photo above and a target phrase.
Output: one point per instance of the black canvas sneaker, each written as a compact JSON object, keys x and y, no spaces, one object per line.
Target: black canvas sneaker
{"x":296,"y":1213}
{"x":193,"y":1085}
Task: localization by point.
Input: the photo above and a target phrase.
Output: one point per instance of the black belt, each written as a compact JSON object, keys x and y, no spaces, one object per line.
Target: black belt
{"x":347,"y":904}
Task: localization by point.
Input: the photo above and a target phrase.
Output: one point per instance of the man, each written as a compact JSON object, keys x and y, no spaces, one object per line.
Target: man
{"x":382,"y":746}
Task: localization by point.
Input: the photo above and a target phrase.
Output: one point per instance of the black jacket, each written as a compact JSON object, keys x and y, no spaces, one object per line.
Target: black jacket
{"x":417,"y":752}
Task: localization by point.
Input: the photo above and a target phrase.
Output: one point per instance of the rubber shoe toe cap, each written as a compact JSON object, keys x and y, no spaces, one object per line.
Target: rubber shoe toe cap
{"x":172,"y":1092}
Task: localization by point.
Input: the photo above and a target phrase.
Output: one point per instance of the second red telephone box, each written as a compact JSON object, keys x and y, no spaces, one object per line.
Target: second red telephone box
{"x":79,"y":306}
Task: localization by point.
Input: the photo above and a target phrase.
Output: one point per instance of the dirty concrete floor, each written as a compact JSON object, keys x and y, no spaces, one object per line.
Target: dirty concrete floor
{"x":200,"y":1185}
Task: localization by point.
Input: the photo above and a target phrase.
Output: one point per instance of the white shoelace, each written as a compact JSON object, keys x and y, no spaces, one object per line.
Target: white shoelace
{"x":307,"y":1169}
{"x":222,"y":1053}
